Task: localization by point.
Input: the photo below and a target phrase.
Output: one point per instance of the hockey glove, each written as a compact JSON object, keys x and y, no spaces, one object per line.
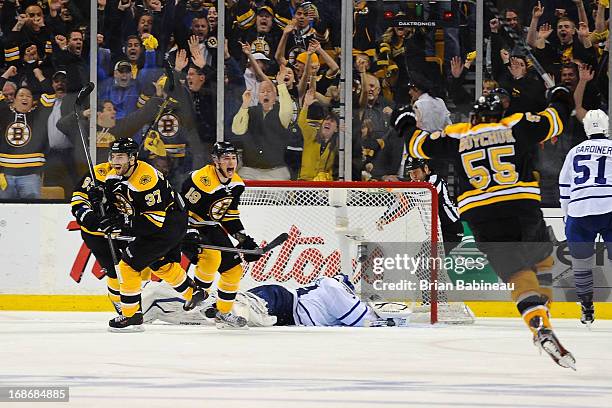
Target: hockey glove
{"x":191,"y":247}
{"x":111,"y":187}
{"x":88,"y":219}
{"x":114,"y":222}
{"x":247,"y":242}
{"x":96,"y":197}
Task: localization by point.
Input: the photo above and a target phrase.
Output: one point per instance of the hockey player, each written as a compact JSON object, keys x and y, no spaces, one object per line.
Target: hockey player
{"x":146,"y":208}
{"x":585,"y":185}
{"x":85,"y":207}
{"x":212,"y":194}
{"x":452,"y":228}
{"x":327,"y":302}
{"x":499,"y":198}
{"x":418,"y":170}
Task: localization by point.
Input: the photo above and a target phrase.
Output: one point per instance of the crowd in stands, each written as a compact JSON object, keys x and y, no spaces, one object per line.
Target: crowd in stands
{"x":157,"y":82}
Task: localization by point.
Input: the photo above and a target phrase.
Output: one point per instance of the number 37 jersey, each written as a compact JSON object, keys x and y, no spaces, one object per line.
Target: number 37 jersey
{"x":496,"y":159}
{"x":209,"y":202}
{"x":585,"y":181}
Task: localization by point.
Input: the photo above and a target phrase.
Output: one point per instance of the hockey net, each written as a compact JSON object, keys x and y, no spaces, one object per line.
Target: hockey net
{"x":328,"y":223}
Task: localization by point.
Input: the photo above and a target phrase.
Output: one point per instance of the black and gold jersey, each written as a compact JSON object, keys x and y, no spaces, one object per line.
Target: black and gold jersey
{"x":209,"y":202}
{"x":145,"y":197}
{"x":23,"y":141}
{"x":80,"y":204}
{"x":495,"y":159}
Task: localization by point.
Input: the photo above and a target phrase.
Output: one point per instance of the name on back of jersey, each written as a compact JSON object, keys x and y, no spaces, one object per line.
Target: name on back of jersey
{"x":494,"y":137}
{"x":602,"y":150}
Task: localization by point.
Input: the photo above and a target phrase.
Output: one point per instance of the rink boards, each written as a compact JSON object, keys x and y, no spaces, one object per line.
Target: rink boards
{"x":43,"y":257}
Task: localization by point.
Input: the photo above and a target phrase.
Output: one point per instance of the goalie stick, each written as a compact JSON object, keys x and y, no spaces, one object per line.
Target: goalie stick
{"x":259,"y":251}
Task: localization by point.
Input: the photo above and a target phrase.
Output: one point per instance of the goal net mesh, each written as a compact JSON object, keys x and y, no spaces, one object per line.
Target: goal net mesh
{"x":328,"y":224}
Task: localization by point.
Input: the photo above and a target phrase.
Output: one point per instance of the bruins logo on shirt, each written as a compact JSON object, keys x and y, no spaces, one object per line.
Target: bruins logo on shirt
{"x":260,"y":45}
{"x":145,"y":179}
{"x":211,"y":42}
{"x":123,"y":204}
{"x":18,"y":134}
{"x":168,"y":125}
{"x":205,"y":180}
{"x":219,"y":208}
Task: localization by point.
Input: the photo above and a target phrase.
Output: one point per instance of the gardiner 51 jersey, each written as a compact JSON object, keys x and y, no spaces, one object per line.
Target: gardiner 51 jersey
{"x":145,"y":197}
{"x":80,"y":203}
{"x":496,"y":159}
{"x":585,"y":181}
{"x":209,"y":202}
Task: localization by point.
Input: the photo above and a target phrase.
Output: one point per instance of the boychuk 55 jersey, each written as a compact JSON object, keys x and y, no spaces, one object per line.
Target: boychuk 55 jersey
{"x":496,"y":159}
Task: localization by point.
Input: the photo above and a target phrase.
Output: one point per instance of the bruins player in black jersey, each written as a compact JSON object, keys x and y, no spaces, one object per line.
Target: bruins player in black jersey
{"x":147,"y":209}
{"x":85,"y":206}
{"x":212,"y":195}
{"x":499,"y":197}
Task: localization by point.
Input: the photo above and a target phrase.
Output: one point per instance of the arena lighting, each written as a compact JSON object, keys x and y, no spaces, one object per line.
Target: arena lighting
{"x":389,"y":15}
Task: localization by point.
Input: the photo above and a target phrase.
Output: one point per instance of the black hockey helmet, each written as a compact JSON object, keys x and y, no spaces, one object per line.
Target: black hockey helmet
{"x":221,"y":148}
{"x":487,"y":109}
{"x":126,"y":145}
{"x":402,"y":117}
{"x":413,"y":163}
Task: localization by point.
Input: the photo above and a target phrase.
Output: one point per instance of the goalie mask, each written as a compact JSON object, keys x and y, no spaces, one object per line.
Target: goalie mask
{"x":595,"y":123}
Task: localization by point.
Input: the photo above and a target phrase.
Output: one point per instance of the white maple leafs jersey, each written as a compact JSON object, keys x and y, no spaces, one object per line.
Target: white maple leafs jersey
{"x":585,"y":181}
{"x":328,"y":302}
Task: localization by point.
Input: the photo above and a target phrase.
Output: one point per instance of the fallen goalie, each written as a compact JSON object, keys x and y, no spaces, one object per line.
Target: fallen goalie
{"x":326,"y":302}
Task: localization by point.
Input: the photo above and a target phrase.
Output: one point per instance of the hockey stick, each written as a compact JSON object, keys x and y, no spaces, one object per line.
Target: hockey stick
{"x":258,"y":251}
{"x":548,"y":81}
{"x":83,"y":93}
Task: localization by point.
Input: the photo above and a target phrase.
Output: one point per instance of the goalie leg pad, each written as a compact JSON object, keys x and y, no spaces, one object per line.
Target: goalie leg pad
{"x":228,"y":286}
{"x":175,"y":276}
{"x":130,"y":289}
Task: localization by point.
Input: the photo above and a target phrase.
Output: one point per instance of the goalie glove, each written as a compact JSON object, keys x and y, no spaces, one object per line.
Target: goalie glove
{"x":247,"y":242}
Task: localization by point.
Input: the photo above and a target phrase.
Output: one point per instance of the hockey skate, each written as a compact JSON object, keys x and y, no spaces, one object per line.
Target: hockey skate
{"x":123,"y":324}
{"x":587,"y":315}
{"x":199,"y":295}
{"x":230,"y":321}
{"x":546,"y":340}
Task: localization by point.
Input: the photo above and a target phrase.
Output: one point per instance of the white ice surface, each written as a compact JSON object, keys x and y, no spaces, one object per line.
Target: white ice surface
{"x":489,"y":364}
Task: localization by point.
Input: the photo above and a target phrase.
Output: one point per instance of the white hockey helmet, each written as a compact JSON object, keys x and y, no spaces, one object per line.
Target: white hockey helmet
{"x":595,"y":122}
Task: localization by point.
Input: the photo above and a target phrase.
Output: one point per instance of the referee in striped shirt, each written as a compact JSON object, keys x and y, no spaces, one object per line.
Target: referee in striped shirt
{"x":418,"y":170}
